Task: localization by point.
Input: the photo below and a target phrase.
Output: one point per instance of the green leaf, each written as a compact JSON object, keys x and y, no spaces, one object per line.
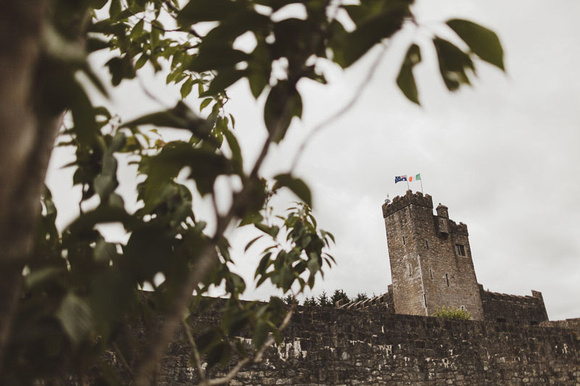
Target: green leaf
{"x":75,"y":317}
{"x":259,"y":68}
{"x":205,"y":164}
{"x":104,"y":252}
{"x":216,"y":57}
{"x":115,"y":8}
{"x":277,"y":4}
{"x":224,"y":79}
{"x":106,"y":182}
{"x":205,"y":103}
{"x":112,"y":295}
{"x":118,"y":142}
{"x":98,"y":4}
{"x":94,"y":79}
{"x":179,"y":117}
{"x":100,"y":215}
{"x":296,"y":185}
{"x":482,"y":41}
{"x":83,"y":116}
{"x":220,"y":353}
{"x":261,"y":332}
{"x":236,"y":24}
{"x":121,"y":67}
{"x":314,"y":264}
{"x":350,"y":47}
{"x":265,"y":262}
{"x":186,"y":88}
{"x":137,"y":29}
{"x":405,"y":79}
{"x":95,"y":44}
{"x":136,"y":6}
{"x":148,"y":252}
{"x":202,"y":10}
{"x":141,"y":61}
{"x":453,"y":64}
{"x":40,"y":276}
{"x":269,"y":230}
{"x":283,"y":103}
{"x":236,"y":151}
{"x":48,"y":203}
{"x":208,"y":339}
{"x":237,"y":283}
{"x":249,"y":245}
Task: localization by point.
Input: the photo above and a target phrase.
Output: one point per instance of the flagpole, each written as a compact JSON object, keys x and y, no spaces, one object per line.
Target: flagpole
{"x":421,"y":184}
{"x":407,"y":181}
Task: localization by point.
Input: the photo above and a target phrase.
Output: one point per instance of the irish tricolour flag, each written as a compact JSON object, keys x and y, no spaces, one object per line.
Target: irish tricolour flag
{"x":416,"y":178}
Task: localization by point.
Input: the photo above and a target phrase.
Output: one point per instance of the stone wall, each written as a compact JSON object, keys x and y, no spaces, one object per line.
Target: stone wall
{"x":383,"y":302}
{"x":515,"y":309}
{"x":326,"y":346}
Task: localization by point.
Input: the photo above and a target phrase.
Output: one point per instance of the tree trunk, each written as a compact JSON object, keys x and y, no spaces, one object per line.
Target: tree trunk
{"x":26,"y":142}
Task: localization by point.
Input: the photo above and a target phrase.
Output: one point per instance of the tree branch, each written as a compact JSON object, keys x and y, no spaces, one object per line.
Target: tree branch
{"x":208,"y":257}
{"x":256,"y":358}
{"x":196,"y":356}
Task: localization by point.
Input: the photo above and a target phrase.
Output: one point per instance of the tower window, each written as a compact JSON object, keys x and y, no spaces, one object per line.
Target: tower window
{"x":447,"y":279}
{"x":404,"y":240}
{"x":460,"y":249}
{"x":409,"y":268}
{"x":431,"y":273}
{"x":427,"y":244}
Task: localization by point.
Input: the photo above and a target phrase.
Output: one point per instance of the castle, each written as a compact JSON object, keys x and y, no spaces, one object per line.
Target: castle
{"x":392,"y":340}
{"x":432,"y":267}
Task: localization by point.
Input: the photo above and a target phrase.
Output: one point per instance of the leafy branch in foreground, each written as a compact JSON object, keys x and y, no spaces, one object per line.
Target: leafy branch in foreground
{"x":67,"y":297}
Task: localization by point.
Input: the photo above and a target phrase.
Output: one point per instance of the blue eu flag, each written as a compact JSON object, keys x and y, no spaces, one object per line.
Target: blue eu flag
{"x":400,"y":178}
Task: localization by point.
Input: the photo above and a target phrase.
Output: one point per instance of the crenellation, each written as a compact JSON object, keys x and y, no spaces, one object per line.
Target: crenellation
{"x":409,"y":198}
{"x":459,"y":229}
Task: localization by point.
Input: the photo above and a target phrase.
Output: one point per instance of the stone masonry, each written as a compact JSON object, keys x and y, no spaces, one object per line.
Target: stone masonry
{"x":432,"y":266}
{"x":327,"y":346}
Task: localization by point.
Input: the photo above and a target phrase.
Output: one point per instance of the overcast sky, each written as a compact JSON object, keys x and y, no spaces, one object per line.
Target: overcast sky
{"x":503,"y":155}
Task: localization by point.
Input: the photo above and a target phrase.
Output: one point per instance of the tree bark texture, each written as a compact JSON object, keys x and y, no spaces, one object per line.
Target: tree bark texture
{"x":26,"y":141}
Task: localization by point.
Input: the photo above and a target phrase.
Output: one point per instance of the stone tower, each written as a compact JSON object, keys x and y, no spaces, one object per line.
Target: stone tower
{"x":430,"y":258}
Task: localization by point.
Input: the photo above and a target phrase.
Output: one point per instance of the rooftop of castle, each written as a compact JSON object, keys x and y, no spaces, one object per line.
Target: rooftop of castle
{"x":419,"y":199}
{"x":409,"y":198}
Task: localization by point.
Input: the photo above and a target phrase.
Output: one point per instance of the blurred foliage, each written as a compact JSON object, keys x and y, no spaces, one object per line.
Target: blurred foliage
{"x":82,"y":291}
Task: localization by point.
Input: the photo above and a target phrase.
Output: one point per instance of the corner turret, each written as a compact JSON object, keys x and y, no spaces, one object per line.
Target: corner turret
{"x":442,"y":219}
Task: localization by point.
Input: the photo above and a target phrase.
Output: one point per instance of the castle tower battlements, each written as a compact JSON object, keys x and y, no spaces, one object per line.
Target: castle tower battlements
{"x":409,"y":198}
{"x":430,"y":258}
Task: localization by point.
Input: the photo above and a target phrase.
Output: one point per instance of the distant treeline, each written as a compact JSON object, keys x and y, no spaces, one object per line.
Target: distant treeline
{"x":323,"y":300}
